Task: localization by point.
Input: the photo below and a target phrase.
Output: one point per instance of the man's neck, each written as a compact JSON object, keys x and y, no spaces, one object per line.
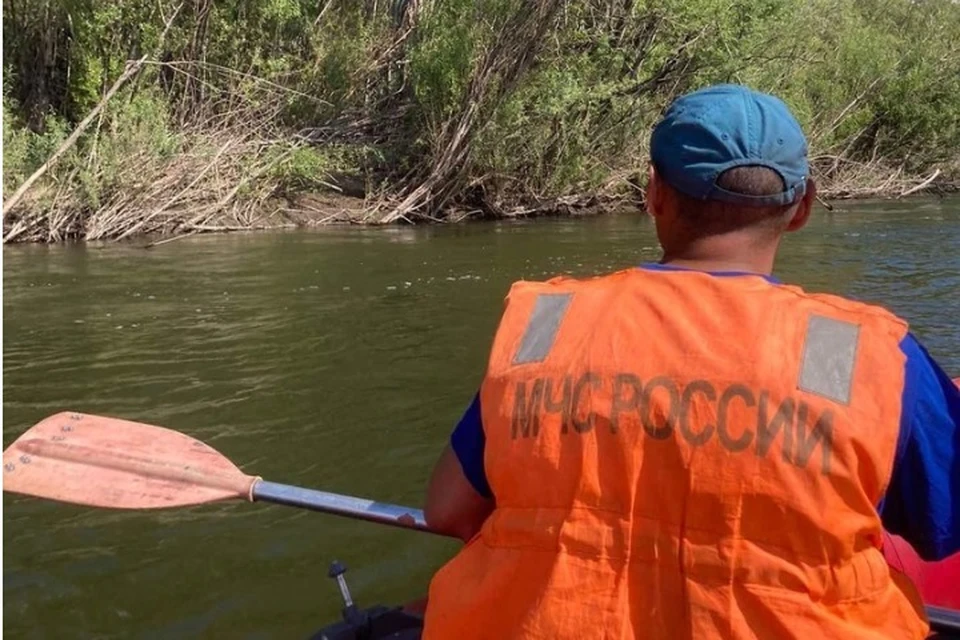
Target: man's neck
{"x":723,"y":253}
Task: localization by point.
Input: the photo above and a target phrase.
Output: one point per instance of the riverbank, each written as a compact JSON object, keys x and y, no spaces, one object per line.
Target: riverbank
{"x":331,"y":207}
{"x":135,"y":117}
{"x":343,"y":202}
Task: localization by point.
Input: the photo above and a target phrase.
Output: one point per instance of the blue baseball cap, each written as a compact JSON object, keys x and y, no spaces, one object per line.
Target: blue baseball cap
{"x":706,"y":132}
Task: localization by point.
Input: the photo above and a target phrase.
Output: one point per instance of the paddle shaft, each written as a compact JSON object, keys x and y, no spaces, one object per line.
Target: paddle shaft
{"x":334,"y":503}
{"x":943,"y":620}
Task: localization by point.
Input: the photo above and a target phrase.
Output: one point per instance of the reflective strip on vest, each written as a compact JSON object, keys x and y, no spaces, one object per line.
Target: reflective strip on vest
{"x":829,"y":353}
{"x":542,"y":328}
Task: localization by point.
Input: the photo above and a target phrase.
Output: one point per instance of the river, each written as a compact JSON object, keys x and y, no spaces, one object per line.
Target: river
{"x":338,"y":359}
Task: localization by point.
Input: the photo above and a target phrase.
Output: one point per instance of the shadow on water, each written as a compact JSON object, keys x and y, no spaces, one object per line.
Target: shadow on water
{"x":337,"y":359}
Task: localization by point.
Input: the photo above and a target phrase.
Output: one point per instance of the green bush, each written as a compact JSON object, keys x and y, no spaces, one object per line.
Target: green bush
{"x":872,"y":81}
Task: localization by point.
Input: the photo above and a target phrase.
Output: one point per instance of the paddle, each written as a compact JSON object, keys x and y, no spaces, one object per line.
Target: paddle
{"x":108,"y":462}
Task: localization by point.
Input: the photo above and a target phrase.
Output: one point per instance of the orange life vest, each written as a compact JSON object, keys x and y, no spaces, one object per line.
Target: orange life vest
{"x":680,"y":455}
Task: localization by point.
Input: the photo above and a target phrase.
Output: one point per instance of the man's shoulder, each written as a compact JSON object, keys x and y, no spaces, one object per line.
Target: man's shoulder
{"x":845,"y":304}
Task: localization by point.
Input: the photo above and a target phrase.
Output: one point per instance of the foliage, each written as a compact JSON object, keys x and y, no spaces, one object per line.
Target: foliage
{"x":382,"y":88}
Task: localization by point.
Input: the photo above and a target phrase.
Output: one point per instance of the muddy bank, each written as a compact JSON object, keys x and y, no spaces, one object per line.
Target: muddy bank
{"x":165,"y":210}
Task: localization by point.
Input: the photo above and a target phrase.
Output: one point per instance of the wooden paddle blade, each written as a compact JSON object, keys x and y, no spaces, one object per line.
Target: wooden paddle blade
{"x":108,"y":462}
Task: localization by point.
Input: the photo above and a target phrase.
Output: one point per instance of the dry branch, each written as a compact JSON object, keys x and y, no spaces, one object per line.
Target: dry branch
{"x":132,"y":69}
{"x":499,"y":70}
{"x":921,"y":186}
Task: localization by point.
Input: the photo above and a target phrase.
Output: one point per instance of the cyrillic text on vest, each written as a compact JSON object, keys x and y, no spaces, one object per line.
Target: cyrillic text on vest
{"x":662,"y":408}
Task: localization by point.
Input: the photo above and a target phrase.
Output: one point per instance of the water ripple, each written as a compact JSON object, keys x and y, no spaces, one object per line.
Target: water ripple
{"x":338,"y":360}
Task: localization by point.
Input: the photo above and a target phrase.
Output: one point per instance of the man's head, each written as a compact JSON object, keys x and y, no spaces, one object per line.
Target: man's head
{"x":728,"y":162}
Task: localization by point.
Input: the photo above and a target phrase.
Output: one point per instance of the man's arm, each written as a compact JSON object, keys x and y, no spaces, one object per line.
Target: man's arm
{"x":458,"y":496}
{"x":922,"y":503}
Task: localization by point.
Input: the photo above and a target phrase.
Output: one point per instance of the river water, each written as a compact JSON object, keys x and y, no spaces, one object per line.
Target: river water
{"x":338,"y":359}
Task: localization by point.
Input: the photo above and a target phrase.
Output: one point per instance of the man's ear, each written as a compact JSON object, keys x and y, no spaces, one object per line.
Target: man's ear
{"x":802,"y":214}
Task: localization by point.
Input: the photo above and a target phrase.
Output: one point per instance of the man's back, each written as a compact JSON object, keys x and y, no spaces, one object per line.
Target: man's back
{"x":663,"y":448}
{"x":701,"y":453}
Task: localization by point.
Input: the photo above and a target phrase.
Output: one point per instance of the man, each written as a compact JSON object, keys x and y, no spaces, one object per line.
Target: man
{"x":693,"y":449}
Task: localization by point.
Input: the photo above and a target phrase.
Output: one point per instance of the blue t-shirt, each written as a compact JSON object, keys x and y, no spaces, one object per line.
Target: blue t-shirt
{"x":922,"y":503}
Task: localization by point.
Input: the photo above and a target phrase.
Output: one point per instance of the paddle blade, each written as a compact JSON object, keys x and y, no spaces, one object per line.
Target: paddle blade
{"x":108,"y":462}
